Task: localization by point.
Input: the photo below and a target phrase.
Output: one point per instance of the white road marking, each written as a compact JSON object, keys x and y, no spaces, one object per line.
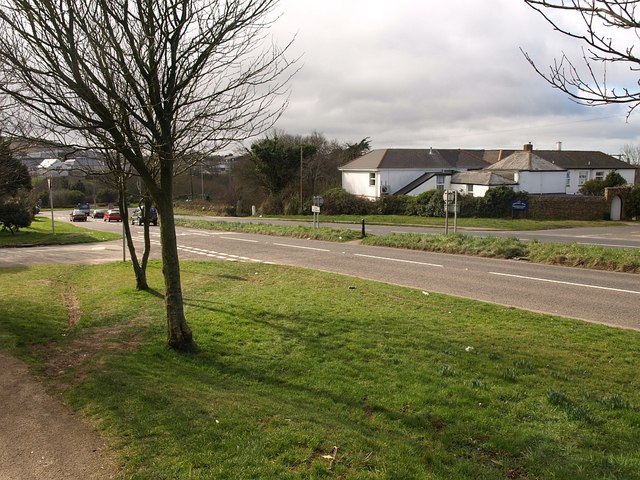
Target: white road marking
{"x":400,"y":260}
{"x":301,"y":247}
{"x":586,"y":285}
{"x":241,"y":239}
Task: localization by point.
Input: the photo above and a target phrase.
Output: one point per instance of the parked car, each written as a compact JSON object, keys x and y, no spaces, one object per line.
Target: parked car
{"x":98,"y":213}
{"x":77,"y":216}
{"x":85,"y":208}
{"x":112,"y":214}
{"x":138,"y":216}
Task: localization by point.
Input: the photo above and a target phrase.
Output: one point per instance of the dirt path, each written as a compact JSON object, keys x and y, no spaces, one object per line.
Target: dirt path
{"x":40,"y":438}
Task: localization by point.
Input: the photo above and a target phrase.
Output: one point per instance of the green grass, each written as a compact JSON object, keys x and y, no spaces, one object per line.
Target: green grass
{"x":516,"y":224}
{"x":296,"y":231}
{"x":567,"y":254}
{"x":40,"y":233}
{"x":293,"y":362}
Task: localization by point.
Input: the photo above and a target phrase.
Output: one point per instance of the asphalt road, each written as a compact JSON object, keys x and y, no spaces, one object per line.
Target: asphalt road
{"x":603,"y":297}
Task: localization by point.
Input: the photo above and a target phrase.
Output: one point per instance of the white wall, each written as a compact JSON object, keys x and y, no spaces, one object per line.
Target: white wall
{"x":628,"y":174}
{"x":542,"y":182}
{"x":357,"y":183}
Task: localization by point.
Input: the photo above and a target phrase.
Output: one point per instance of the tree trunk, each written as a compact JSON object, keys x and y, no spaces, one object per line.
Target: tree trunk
{"x":178,"y":332}
{"x":140,"y":271}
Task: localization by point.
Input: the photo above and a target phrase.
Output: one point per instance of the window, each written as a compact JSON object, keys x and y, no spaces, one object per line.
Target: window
{"x":583,"y":176}
{"x":568,"y":181}
{"x":372,"y":179}
{"x":440,"y":182}
{"x":470,"y":189}
{"x":599,"y":175}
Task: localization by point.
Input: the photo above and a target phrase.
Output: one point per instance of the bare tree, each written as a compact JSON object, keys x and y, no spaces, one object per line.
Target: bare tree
{"x":154,"y":81}
{"x":601,"y":20}
{"x":631,"y":154}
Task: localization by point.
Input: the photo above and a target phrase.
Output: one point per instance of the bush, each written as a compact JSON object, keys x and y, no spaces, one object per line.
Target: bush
{"x":497,"y":202}
{"x":14,"y":215}
{"x":106,"y":195}
{"x":64,"y":198}
{"x":395,"y":205}
{"x":632,"y":203}
{"x":338,"y":201}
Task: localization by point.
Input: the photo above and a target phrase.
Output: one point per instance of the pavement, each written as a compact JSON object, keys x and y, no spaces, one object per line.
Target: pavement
{"x":40,"y":437}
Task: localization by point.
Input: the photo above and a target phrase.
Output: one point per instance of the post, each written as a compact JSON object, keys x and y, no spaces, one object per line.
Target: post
{"x":202,"y":179}
{"x":363,"y":232}
{"x":455,"y":212}
{"x":301,"y":201}
{"x":124,"y":240}
{"x":53,"y":226}
{"x":446,"y":217}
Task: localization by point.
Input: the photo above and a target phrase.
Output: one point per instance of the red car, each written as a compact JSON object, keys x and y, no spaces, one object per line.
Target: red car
{"x":112,"y":214}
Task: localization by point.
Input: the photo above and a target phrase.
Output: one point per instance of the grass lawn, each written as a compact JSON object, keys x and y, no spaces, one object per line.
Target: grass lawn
{"x":298,"y":367}
{"x":40,"y":233}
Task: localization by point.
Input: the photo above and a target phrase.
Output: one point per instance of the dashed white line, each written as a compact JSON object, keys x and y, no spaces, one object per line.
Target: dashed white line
{"x":301,"y":247}
{"x":586,"y":285}
{"x":240,"y":239}
{"x":400,"y":260}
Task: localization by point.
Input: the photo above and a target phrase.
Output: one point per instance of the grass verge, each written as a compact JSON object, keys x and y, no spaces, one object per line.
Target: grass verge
{"x":573,"y":255}
{"x":302,"y":374}
{"x":515,"y":224}
{"x":567,"y":254}
{"x":296,"y":231}
{"x":40,"y":233}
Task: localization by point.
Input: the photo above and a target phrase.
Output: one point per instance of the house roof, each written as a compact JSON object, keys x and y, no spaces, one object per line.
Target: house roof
{"x":525,"y":161}
{"x":406,"y":158}
{"x":482,"y":177}
{"x":573,"y":159}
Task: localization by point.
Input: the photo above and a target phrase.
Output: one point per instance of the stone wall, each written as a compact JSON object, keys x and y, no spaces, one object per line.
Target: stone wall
{"x":568,"y":207}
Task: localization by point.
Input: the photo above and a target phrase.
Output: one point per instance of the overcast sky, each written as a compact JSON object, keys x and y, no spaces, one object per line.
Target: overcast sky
{"x":436,"y":73}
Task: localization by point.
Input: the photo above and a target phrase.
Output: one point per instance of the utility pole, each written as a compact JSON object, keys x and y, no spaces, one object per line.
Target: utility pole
{"x":301,"y":207}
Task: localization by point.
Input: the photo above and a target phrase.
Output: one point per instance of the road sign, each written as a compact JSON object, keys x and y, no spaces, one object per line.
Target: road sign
{"x":449,"y":196}
{"x":520,"y":205}
{"x":315,"y":208}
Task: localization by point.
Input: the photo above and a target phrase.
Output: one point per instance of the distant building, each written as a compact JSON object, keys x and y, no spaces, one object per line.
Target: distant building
{"x":473,"y":172}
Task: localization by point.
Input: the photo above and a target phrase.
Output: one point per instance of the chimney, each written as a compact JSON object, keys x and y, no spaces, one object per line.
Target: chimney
{"x":528,"y":147}
{"x":559,"y":146}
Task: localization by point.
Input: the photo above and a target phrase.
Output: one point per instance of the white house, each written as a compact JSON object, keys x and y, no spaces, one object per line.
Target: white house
{"x":413,"y":171}
{"x":394,"y":170}
{"x":52,"y":167}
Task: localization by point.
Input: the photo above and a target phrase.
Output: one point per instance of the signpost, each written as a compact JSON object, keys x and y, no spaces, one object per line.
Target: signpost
{"x":519,"y":206}
{"x":450,"y":198}
{"x":315,"y":209}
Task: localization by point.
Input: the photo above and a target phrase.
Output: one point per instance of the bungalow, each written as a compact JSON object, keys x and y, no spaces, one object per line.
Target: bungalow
{"x":474,"y":172}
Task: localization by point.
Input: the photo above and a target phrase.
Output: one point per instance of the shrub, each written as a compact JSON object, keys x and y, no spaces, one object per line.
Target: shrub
{"x":65,"y":198}
{"x":338,"y":201}
{"x":107,"y":195}
{"x":497,"y":202}
{"x":395,"y":204}
{"x":15,"y":215}
{"x":632,"y":203}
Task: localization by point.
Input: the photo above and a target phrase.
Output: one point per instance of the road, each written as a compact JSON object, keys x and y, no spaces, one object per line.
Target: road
{"x":603,"y":297}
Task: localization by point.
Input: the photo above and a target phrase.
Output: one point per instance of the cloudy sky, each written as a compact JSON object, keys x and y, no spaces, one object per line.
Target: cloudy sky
{"x":436,"y":73}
